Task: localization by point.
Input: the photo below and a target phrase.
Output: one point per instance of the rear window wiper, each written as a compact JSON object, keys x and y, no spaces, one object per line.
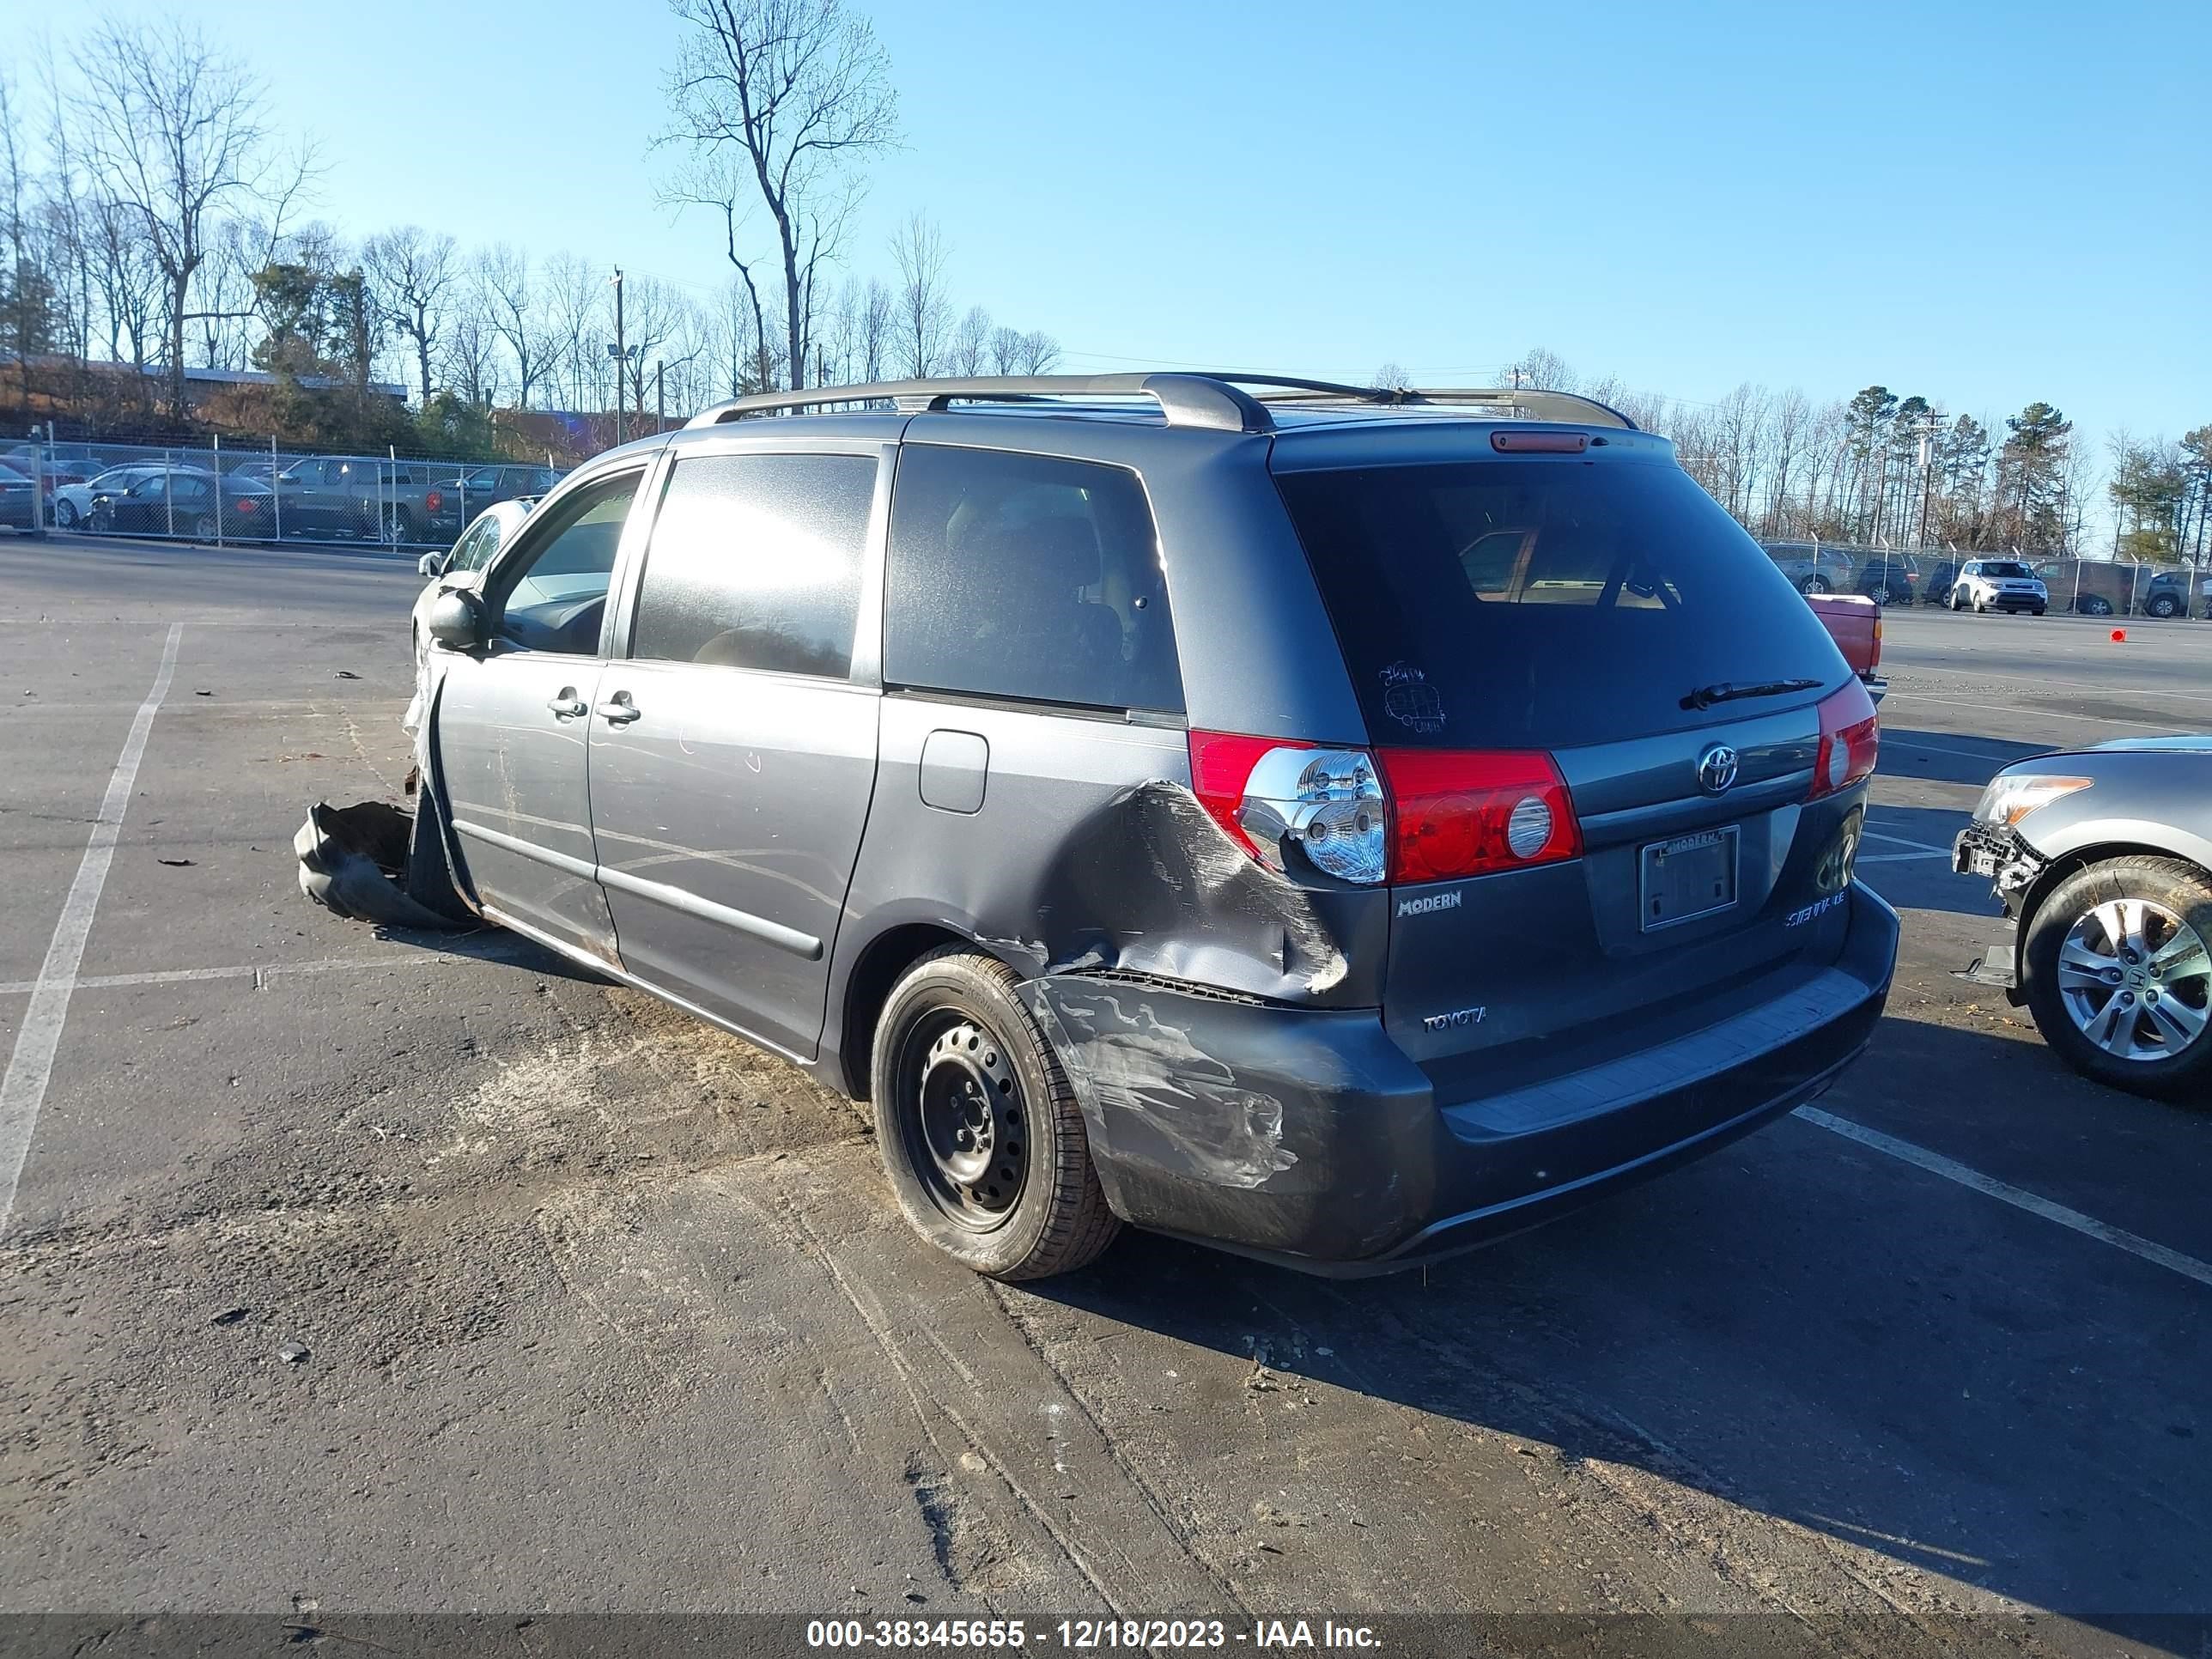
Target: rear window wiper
{"x":1728,"y":692}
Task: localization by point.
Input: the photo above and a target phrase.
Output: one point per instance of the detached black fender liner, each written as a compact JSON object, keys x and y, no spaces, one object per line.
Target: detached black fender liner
{"x":1306,"y":1138}
{"x":360,"y":862}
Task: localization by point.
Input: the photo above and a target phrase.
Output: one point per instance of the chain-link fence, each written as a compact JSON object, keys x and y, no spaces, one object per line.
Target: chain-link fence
{"x":2089,"y":588}
{"x":224,"y":494}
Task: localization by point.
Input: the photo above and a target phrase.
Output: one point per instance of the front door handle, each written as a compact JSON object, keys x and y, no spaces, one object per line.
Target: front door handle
{"x":568,"y":705}
{"x":619,"y":710}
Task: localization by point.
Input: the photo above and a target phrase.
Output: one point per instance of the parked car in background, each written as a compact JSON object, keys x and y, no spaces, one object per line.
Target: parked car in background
{"x":2102,"y":858}
{"x":2096,"y":587}
{"x":1136,"y":777}
{"x":188,"y":502}
{"x":73,"y":502}
{"x":2178,"y":592}
{"x":1813,"y":569}
{"x":2005,"y":585}
{"x":462,"y":565}
{"x":18,"y":498}
{"x":1886,"y":578}
{"x":55,"y":466}
{"x":481,"y":486}
{"x":367,"y":499}
{"x":1854,"y":623}
{"x":1935,"y":588}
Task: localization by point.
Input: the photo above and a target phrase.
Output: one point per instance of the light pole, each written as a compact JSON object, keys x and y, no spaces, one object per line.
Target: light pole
{"x":620,"y":355}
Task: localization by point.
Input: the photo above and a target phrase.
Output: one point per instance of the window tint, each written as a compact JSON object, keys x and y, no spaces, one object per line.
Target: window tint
{"x":1538,"y":603}
{"x":555,"y":596}
{"x":1026,"y":576}
{"x":756,"y":563}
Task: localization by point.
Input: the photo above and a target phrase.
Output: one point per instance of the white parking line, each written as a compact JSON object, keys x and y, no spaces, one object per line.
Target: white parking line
{"x":2014,"y":709}
{"x":1936,"y":1163}
{"x":2159,"y":692}
{"x":1899,"y":740}
{"x":520,"y":951}
{"x":1921,"y":846}
{"x":23,"y":1089}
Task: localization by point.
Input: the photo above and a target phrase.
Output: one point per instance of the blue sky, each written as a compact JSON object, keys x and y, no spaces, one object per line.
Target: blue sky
{"x":1985,"y":202}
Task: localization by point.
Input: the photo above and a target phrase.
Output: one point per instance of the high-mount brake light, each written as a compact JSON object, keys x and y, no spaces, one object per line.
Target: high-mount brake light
{"x":1396,"y":815}
{"x":1539,"y":443}
{"x":1851,"y":741}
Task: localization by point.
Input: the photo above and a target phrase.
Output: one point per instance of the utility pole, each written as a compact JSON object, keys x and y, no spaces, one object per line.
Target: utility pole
{"x":659,"y":396}
{"x":621,"y":357}
{"x":1927,"y":474}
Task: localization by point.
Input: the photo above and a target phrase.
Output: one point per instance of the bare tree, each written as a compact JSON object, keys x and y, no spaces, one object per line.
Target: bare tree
{"x":1040,"y":352}
{"x":176,"y":131}
{"x":924,"y":313}
{"x":472,"y":352}
{"x":798,"y":92}
{"x":878,"y":323}
{"x":1391,"y":378}
{"x":971,"y":342}
{"x":410,"y":270}
{"x":502,"y":274}
{"x":1005,"y":350}
{"x":1787,"y":433}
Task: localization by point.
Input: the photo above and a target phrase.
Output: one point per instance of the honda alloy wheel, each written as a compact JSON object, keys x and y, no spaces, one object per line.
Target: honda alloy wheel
{"x":2118,"y":976}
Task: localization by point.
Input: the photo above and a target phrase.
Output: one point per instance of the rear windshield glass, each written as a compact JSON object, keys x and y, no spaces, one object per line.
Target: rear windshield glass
{"x":1544,"y":603}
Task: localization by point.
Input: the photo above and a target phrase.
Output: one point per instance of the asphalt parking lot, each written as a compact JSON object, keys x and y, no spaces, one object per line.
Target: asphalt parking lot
{"x":604,"y":1311}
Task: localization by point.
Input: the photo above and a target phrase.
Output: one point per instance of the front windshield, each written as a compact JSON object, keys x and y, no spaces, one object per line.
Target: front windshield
{"x":2018,"y":572}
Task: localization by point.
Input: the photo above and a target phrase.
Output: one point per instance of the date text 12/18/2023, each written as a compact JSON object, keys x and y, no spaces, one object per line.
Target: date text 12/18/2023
{"x":1087,"y":1635}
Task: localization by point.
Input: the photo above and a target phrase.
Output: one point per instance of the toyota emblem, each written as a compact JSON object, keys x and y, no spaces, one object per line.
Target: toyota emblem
{"x":1716,"y":769}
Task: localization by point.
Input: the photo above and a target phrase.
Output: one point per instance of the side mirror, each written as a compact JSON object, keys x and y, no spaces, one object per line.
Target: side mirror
{"x":428,"y":565}
{"x":456,"y":620}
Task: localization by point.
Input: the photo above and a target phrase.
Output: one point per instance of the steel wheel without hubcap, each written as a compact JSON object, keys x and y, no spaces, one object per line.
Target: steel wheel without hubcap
{"x":965,"y":1135}
{"x":2134,"y":979}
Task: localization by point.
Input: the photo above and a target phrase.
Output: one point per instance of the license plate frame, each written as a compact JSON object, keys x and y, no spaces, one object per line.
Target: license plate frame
{"x":1687,"y":877}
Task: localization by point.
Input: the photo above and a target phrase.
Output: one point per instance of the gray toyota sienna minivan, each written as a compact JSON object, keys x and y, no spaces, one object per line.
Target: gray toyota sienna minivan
{"x":1341,"y":826}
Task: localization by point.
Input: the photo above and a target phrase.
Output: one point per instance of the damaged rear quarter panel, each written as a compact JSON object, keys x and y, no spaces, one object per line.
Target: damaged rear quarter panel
{"x":1089,"y":849}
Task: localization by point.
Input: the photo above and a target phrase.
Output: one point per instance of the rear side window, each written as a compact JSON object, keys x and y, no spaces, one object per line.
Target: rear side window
{"x":1026,"y":576}
{"x":1544,"y":603}
{"x":756,"y":563}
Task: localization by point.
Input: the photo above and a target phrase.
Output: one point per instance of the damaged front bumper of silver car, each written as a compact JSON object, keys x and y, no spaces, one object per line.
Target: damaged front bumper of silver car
{"x":1998,"y":852}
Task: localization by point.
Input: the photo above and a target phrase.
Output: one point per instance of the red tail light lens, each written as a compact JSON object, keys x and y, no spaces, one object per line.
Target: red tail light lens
{"x":1445,"y":813}
{"x":1466,"y":812}
{"x":1849,"y":741}
{"x":434,"y":500}
{"x":1221,"y":764}
{"x":247,"y":504}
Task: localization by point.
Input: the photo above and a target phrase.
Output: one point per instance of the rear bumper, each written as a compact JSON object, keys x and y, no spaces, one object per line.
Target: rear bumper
{"x":1308,"y":1137}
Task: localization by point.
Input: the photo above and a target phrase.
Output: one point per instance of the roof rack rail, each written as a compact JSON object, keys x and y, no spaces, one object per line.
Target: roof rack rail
{"x":1540,"y":405}
{"x":1214,"y":400}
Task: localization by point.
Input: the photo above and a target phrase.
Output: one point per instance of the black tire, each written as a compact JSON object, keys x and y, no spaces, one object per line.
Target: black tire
{"x":101,"y":521}
{"x":2037,"y":611}
{"x":203,"y":528}
{"x":1813,"y":585}
{"x":2182,"y":889}
{"x":955,"y":1050}
{"x":2093,"y":604}
{"x":65,"y":514}
{"x":1981,"y":609}
{"x":2164,"y":607}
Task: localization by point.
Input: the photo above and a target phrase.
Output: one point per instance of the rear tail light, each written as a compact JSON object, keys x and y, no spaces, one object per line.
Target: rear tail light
{"x":1849,"y":741}
{"x":1398,"y":815}
{"x":1466,"y":812}
{"x":247,"y":504}
{"x":434,"y":500}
